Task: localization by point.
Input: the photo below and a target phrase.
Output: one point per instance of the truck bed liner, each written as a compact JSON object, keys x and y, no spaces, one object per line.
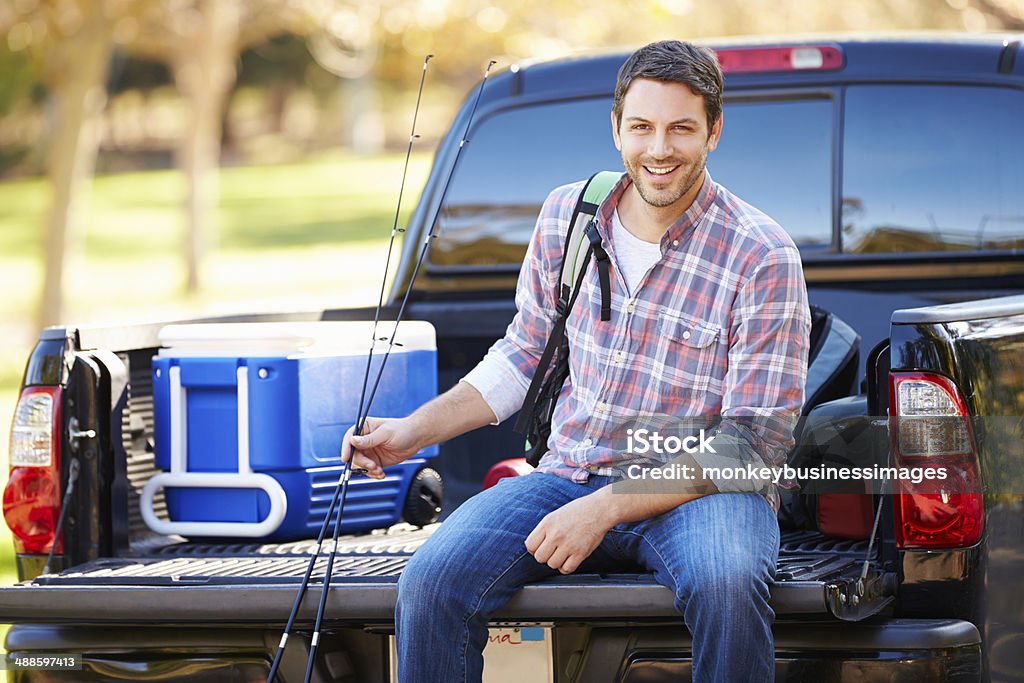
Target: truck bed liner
{"x":803,"y":556}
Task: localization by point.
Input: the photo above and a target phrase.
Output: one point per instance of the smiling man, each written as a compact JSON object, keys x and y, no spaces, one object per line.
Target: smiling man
{"x":709,"y":322}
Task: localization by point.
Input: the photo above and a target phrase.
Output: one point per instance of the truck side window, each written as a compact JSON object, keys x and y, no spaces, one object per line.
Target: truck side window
{"x":932,"y":169}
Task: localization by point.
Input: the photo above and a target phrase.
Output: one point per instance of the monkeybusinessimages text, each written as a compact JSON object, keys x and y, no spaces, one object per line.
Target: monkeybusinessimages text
{"x":645,"y":441}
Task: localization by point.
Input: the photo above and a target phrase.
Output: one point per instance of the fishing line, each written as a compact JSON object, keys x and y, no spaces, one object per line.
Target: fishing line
{"x":431,"y":235}
{"x":380,"y":371}
{"x":342,"y":487}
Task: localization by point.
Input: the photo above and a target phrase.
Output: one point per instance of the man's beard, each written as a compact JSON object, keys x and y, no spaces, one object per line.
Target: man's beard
{"x":696,"y":172}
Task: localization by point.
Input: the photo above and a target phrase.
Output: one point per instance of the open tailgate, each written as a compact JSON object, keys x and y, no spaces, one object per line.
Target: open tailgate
{"x":206,"y":583}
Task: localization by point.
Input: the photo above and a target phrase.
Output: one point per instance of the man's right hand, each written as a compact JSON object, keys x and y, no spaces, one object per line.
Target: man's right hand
{"x":389,"y":441}
{"x":385,"y":442}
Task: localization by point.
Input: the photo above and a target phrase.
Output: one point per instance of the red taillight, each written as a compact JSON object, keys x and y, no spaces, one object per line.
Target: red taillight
{"x":930,"y":428}
{"x":791,"y":58}
{"x":32,"y":495}
{"x":31,"y":508}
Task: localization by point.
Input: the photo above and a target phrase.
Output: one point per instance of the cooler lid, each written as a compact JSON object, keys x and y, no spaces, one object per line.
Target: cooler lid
{"x":294,"y":338}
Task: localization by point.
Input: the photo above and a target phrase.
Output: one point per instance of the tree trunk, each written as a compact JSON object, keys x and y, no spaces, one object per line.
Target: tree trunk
{"x":205,"y":72}
{"x":364,"y":130}
{"x":76,"y":79}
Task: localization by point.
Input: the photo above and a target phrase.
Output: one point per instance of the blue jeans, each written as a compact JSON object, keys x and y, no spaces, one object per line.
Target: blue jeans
{"x":716,"y":553}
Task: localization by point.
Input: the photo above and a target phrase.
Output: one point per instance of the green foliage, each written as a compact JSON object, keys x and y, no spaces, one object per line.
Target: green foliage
{"x":281,"y":59}
{"x":128,"y":72}
{"x":329,"y":200}
{"x":17,"y":80}
{"x":313,"y":203}
{"x":17,"y":84}
{"x":22,"y":207}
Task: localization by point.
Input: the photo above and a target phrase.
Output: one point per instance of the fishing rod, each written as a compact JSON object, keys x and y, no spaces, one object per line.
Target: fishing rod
{"x":394,"y":231}
{"x":431,"y":235}
{"x":361,"y":418}
{"x":342,"y":487}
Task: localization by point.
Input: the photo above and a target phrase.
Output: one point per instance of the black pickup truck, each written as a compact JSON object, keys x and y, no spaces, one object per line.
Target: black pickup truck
{"x":895,"y":165}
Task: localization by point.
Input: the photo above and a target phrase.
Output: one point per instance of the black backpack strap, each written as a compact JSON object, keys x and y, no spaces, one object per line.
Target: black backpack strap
{"x":555,"y":337}
{"x":602,"y":271}
{"x":582,"y":241}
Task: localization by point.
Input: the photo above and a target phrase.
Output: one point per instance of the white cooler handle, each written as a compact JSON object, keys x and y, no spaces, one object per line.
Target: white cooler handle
{"x":245,"y":478}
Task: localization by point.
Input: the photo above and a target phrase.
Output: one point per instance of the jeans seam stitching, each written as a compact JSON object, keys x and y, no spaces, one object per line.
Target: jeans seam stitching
{"x":480,"y":598}
{"x":657,"y":552}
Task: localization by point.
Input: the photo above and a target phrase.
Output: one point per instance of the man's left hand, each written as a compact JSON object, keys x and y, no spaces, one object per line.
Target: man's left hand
{"x":567,"y":536}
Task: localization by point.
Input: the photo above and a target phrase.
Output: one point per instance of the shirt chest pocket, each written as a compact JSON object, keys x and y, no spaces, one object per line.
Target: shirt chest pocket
{"x":692,"y":354}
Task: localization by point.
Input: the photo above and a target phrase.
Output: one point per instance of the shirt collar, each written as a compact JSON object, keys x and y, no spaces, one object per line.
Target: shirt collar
{"x":690,"y":218}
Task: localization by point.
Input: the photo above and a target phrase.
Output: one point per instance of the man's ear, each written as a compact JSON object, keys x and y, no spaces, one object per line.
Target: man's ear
{"x":615,"y":132}
{"x":716,"y":133}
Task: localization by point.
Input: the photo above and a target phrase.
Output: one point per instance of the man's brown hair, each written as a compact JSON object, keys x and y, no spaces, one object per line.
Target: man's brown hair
{"x":674,"y":61}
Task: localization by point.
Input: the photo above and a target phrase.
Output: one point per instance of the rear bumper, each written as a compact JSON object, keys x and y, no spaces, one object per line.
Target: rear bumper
{"x":893,"y":650}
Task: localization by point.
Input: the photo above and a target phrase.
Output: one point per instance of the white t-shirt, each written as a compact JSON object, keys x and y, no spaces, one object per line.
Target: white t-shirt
{"x":633,"y":256}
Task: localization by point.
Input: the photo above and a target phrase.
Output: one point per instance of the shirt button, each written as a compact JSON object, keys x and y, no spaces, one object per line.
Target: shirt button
{"x":686,"y":335}
{"x":631,"y":307}
{"x":675,"y":243}
{"x":587,"y":442}
{"x":618,"y":356}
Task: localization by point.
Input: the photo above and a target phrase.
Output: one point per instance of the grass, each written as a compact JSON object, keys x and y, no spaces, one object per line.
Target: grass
{"x":289,"y":237}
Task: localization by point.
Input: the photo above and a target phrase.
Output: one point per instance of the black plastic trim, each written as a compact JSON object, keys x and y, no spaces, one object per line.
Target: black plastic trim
{"x":881,"y":635}
{"x":53,"y":334}
{"x":46,"y":365}
{"x":1008,"y":57}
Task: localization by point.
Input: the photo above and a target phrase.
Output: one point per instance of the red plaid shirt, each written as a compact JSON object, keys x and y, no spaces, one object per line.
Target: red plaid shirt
{"x":716,"y":333}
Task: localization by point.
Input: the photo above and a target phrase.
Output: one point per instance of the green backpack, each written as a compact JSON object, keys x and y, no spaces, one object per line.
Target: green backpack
{"x":581,"y":242}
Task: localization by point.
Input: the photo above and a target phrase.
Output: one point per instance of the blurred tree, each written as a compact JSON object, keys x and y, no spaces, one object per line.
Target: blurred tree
{"x":368,"y":41}
{"x":347,"y":45}
{"x":69,"y":43}
{"x":200,"y":41}
{"x":279,"y":68}
{"x":1003,"y":14}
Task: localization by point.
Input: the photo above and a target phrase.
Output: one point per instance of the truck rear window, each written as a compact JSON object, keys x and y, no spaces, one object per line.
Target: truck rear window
{"x":775,"y":154}
{"x":933,"y":169}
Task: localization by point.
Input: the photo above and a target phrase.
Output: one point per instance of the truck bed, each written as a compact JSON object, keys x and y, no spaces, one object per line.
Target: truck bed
{"x":192,"y":582}
{"x":213,"y":582}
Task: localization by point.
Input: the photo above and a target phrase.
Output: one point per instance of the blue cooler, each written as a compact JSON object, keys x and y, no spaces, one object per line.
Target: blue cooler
{"x":249,"y":419}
